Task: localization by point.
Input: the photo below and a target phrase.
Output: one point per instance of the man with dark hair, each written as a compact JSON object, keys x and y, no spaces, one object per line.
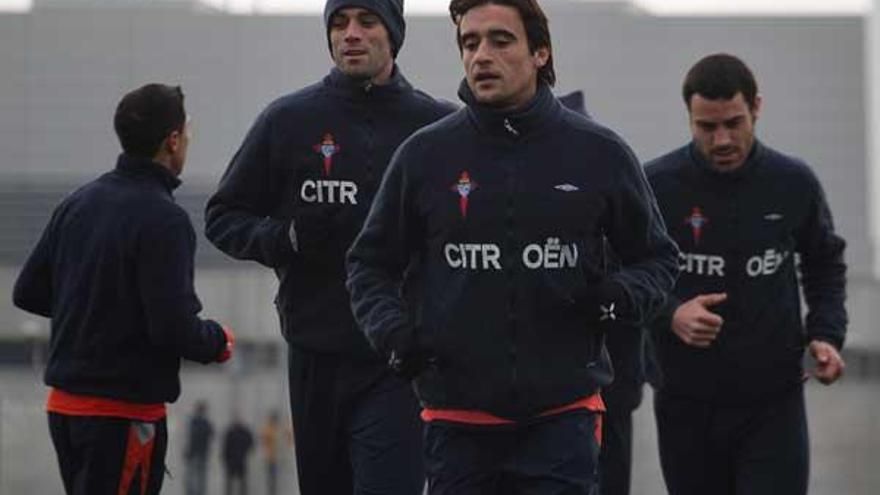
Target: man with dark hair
{"x":114,"y":272}
{"x":293,"y":199}
{"x":480,"y":268}
{"x":730,"y":342}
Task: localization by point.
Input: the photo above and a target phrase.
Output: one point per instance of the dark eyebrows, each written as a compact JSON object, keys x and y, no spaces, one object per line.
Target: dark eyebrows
{"x":495,"y":34}
{"x":734,"y":120}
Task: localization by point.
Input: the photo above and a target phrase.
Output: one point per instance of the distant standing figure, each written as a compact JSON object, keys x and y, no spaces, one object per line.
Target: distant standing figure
{"x":237,"y":444}
{"x":270,"y":437}
{"x":200,"y":435}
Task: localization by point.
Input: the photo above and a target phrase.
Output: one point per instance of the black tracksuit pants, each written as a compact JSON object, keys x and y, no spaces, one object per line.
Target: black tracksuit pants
{"x":109,"y":456}
{"x":557,"y":455}
{"x":615,"y":458}
{"x":751,"y":449}
{"x":356,"y":427}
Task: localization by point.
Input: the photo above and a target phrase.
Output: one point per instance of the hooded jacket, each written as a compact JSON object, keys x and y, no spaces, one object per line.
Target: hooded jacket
{"x":114,"y":271}
{"x":318,"y":155}
{"x":741,"y":232}
{"x":500,"y":217}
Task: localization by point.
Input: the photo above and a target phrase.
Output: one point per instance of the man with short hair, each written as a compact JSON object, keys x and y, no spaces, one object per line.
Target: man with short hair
{"x":114,"y":272}
{"x":730,"y":342}
{"x":293,"y":199}
{"x":480,"y":267}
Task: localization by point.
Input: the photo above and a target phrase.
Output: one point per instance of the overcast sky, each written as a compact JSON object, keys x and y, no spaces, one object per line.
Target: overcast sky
{"x":660,"y":7}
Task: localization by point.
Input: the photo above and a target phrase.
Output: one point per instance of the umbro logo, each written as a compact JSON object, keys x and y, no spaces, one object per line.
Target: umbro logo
{"x":566,"y":187}
{"x":773,"y":217}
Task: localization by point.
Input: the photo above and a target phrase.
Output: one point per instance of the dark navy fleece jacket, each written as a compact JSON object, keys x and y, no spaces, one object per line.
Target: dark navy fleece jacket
{"x":114,"y":272}
{"x":502,"y":218}
{"x":316,"y":155}
{"x":741,"y":233}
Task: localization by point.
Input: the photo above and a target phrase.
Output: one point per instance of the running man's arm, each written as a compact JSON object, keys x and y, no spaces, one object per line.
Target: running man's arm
{"x":377,"y":261}
{"x":237,"y":217}
{"x":823,"y":271}
{"x":637,"y":233}
{"x":33,"y":288}
{"x":165,"y":279}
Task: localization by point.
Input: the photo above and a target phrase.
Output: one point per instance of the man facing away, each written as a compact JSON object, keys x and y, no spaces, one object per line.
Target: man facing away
{"x":293,"y":198}
{"x":113,"y":271}
{"x":480,"y":266}
{"x":749,"y":220}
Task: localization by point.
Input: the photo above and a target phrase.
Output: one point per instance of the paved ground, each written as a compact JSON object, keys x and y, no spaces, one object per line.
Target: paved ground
{"x":844,"y":426}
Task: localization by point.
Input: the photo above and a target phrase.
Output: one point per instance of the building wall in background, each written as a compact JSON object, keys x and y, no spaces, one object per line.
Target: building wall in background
{"x":63,"y":71}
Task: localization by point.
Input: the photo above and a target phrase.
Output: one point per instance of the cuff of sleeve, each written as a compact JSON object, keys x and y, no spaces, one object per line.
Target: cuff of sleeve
{"x":834,"y":340}
{"x":226,"y":353}
{"x":662,"y":320}
{"x":398,"y":339}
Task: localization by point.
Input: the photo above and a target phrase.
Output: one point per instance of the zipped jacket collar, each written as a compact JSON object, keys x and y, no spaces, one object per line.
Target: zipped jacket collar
{"x":705,"y":166}
{"x":542,"y":110}
{"x":356,"y":88}
{"x":136,"y":166}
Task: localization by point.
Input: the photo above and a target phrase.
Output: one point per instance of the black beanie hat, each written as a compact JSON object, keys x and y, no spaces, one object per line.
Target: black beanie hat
{"x":390,"y":11}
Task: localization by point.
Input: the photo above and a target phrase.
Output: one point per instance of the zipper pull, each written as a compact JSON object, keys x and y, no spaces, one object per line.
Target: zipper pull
{"x":510,"y":128}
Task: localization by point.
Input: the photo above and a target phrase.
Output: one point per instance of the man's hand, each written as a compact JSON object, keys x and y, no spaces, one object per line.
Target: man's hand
{"x":829,"y":364}
{"x":408,"y":365}
{"x":226,"y":353}
{"x":694,"y":324}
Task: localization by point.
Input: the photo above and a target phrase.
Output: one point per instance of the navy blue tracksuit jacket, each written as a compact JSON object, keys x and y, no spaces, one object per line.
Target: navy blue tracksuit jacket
{"x":750,"y":233}
{"x":506,"y":215}
{"x":321,"y":170}
{"x":114,"y":271}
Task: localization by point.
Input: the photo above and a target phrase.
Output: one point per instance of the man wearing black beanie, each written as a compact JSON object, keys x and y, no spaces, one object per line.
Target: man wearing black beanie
{"x":293,"y":199}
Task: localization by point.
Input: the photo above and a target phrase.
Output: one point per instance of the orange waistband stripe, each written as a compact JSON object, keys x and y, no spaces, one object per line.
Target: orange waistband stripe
{"x":592,"y":403}
{"x":62,"y":402}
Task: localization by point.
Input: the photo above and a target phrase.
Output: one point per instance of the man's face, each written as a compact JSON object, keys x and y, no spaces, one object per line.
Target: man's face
{"x":724,"y":130}
{"x":360,"y":44}
{"x":500,"y":69}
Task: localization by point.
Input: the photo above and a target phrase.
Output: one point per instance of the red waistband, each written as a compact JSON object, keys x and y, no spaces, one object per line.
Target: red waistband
{"x":62,"y":402}
{"x":591,"y":403}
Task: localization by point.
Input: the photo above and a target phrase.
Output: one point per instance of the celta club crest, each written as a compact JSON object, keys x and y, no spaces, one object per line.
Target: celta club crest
{"x":697,"y":221}
{"x":464,"y":186}
{"x":327,"y":148}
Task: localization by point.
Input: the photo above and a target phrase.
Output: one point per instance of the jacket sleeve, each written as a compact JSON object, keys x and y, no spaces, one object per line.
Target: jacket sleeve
{"x":637,"y":233}
{"x":823,"y":271}
{"x":378,"y":259}
{"x":165,"y":281}
{"x":238,"y":216}
{"x":33,"y":288}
